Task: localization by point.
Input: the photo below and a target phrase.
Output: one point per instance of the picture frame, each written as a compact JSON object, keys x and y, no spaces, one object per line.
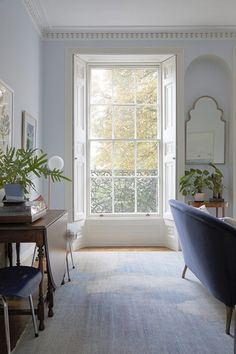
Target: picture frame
{"x":6,"y":116}
{"x":29,"y":131}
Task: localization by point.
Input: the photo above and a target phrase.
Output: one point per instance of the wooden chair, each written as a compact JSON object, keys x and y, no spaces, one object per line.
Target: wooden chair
{"x":18,"y":281}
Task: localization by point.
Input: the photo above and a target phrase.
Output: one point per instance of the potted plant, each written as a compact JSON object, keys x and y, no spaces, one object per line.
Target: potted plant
{"x":18,"y":167}
{"x":216,"y":179}
{"x":193,"y":182}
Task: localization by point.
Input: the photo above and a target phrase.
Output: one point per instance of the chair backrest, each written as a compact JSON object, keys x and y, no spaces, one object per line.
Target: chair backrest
{"x":209,"y":249}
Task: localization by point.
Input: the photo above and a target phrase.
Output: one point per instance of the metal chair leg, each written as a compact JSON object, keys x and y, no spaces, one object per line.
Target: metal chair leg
{"x":67,"y":266}
{"x":71,"y":254}
{"x":36,"y":333}
{"x":184,"y":271}
{"x":6,"y":321}
{"x":229,"y":312}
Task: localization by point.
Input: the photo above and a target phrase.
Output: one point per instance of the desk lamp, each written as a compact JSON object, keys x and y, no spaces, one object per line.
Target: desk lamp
{"x":55,"y":162}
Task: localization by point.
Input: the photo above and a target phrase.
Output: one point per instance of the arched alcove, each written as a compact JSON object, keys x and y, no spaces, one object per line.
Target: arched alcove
{"x":210,"y":75}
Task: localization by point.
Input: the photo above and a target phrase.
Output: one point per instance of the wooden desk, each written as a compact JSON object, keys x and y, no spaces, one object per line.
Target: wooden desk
{"x":49,"y":234}
{"x":216,"y":205}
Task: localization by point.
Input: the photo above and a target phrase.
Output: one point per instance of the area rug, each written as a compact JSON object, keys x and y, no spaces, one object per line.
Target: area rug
{"x":131,"y":303}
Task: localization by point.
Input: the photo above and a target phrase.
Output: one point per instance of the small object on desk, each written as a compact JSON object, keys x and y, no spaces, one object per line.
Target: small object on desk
{"x":24,"y":212}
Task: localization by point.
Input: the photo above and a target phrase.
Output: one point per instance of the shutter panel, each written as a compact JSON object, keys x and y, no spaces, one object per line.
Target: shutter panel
{"x":169,"y":133}
{"x":79,"y":136}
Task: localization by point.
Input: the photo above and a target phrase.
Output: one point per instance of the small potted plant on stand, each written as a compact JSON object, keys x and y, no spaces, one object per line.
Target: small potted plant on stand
{"x":18,"y":167}
{"x":193,"y":182}
{"x":216,"y":179}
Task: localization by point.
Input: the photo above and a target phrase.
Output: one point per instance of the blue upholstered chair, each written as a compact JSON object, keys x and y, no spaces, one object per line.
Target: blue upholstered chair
{"x":209,"y":251}
{"x":19,"y":281}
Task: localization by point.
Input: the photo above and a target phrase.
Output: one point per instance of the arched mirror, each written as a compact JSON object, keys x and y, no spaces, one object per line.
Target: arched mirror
{"x":205,"y":133}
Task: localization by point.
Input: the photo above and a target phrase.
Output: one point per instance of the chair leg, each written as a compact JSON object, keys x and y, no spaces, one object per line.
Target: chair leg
{"x":229,"y":312}
{"x":6,"y":321}
{"x":67,"y":266}
{"x":71,"y":255}
{"x":184,"y":271}
{"x":36,"y":333}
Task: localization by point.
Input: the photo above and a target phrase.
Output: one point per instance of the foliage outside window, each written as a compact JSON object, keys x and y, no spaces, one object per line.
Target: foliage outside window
{"x":124,"y":138}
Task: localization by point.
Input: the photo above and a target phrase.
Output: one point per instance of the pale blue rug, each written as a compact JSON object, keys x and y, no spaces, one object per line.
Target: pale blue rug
{"x":131,"y":303}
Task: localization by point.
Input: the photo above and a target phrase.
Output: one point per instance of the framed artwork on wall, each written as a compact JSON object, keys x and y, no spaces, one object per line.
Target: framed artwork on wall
{"x":29,"y":130}
{"x":6,"y":116}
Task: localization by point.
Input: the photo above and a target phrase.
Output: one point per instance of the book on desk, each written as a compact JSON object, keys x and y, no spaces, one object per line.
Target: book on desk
{"x":21,"y":212}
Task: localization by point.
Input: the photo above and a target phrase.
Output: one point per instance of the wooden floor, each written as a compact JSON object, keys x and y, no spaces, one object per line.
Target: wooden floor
{"x":18,"y":323}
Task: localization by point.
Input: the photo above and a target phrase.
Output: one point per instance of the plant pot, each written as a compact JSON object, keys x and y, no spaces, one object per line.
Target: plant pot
{"x":199,"y":197}
{"x":14,"y":192}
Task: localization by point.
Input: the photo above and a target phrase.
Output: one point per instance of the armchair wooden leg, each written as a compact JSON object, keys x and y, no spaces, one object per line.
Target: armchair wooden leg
{"x":229,"y":312}
{"x":184,"y":271}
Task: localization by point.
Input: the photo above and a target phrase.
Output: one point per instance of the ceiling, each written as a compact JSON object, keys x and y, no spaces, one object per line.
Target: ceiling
{"x":79,"y":15}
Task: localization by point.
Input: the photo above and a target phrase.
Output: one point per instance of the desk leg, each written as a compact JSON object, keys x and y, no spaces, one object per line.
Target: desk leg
{"x":41,"y":292}
{"x":9,"y":253}
{"x":50,"y":298}
{"x":18,"y":254}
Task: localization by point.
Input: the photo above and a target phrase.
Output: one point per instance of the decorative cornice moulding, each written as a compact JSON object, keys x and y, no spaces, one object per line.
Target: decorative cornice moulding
{"x":37,"y":15}
{"x":39,"y":18}
{"x":137,"y":35}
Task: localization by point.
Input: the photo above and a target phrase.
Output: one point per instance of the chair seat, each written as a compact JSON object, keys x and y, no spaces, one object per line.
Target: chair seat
{"x":19,"y":281}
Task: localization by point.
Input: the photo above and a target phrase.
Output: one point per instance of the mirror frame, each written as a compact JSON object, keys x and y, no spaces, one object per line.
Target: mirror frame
{"x":201,"y":162}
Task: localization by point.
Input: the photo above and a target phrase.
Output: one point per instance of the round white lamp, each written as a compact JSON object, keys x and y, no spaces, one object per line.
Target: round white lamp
{"x":55,"y":162}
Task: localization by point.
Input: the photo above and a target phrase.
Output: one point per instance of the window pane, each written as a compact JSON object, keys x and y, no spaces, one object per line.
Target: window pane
{"x":124,"y":158}
{"x":100,"y":122}
{"x":147,"y":122}
{"x":123,"y":122}
{"x":101,"y":158}
{"x":123,"y":129}
{"x":101,"y":195}
{"x":101,"y":86}
{"x":147,"y":195}
{"x":147,"y":159}
{"x":124,"y":195}
{"x":123,"y":86}
{"x":146,"y":85}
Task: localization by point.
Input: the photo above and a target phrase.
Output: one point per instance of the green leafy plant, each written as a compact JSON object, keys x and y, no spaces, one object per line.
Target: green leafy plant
{"x":194,"y":181}
{"x":216,"y":180}
{"x":21,"y":166}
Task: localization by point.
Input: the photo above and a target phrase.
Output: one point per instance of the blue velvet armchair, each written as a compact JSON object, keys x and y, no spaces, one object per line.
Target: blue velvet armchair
{"x":209,"y":251}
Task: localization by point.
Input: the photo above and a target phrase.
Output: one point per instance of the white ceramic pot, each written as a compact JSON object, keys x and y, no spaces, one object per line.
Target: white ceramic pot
{"x":199,"y":197}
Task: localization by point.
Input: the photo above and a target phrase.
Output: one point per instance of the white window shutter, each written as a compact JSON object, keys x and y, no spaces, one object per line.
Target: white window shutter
{"x":169,"y":133}
{"x":79,"y":136}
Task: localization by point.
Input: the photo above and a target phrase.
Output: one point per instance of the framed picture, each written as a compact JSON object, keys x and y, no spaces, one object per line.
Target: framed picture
{"x":6,"y":116}
{"x":29,"y":126}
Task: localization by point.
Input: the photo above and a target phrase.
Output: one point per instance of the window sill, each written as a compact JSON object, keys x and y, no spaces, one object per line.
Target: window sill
{"x":124,"y":218}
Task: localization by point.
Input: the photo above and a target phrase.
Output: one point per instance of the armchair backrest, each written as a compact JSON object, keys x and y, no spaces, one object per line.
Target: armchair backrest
{"x":209,"y":249}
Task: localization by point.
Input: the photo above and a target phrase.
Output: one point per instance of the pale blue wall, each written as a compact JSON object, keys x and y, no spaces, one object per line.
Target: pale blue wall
{"x":21,"y":69}
{"x":203,"y":83}
{"x":35,"y":70}
{"x":20,"y":63}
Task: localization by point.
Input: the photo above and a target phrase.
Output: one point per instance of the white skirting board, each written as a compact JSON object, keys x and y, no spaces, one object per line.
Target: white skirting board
{"x":128,"y":232}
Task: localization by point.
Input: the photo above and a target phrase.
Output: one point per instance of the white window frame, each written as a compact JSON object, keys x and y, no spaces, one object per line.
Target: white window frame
{"x":158,"y":140}
{"x":148,"y":54}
